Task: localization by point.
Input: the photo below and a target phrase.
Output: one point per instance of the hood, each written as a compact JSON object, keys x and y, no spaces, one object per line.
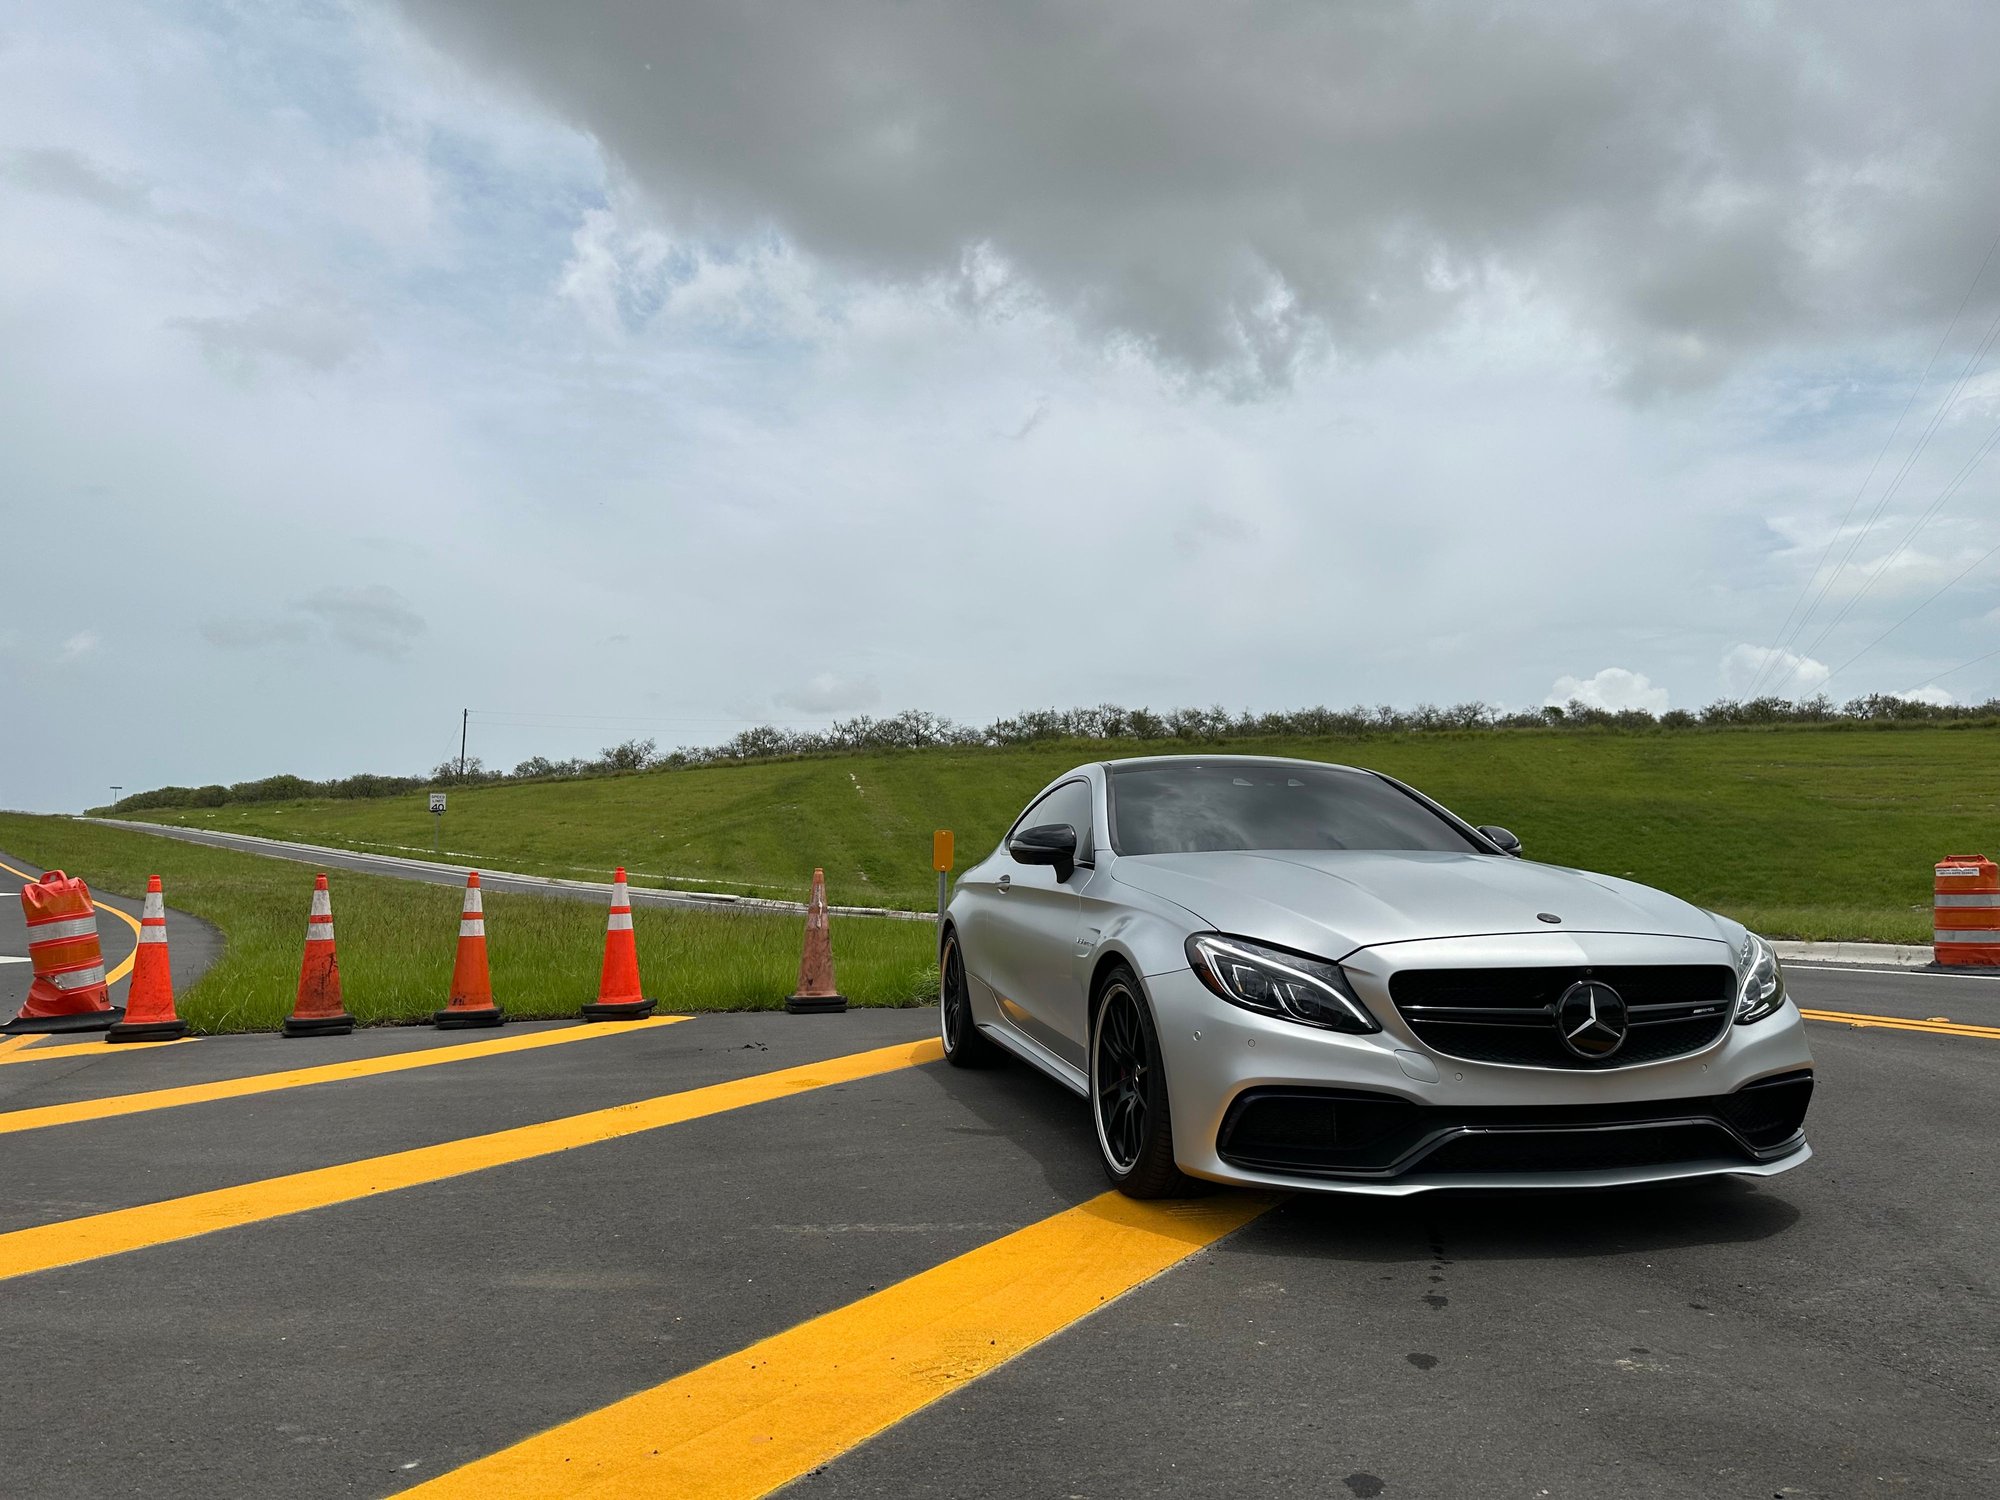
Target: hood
{"x":1332,"y":902}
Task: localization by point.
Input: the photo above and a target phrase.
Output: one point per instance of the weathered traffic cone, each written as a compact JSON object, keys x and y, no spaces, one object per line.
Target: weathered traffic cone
{"x":816,"y":993}
{"x":149,"y":1004}
{"x":68,"y":992}
{"x":618,"y":995}
{"x":318,"y":1010}
{"x":471,"y":1001}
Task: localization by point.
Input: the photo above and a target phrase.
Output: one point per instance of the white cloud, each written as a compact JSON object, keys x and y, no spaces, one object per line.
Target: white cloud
{"x":1767,"y":671}
{"x":81,"y":644}
{"x":1933,"y":695}
{"x":1614,"y":688}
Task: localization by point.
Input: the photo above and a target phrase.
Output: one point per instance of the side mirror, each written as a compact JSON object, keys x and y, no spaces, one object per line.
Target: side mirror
{"x":1050,"y":844}
{"x":1506,"y":841}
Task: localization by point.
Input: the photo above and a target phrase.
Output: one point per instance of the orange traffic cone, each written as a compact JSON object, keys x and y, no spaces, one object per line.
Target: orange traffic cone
{"x":618,"y":996}
{"x":318,"y":1011}
{"x":149,"y":1004}
{"x":816,"y":993}
{"x":68,"y":992}
{"x":471,"y":1001}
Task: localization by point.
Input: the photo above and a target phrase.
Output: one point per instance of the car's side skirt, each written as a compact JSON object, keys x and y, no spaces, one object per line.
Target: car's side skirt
{"x":1036,"y":1055}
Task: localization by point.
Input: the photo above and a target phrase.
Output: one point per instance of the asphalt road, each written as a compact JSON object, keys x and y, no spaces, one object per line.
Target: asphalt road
{"x":434,"y":872}
{"x":193,"y":943}
{"x":1831,"y":1332}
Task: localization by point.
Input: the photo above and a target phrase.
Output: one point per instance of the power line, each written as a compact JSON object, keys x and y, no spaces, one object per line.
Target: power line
{"x":1854,"y":545}
{"x":1833,"y":537}
{"x":1912,"y":614}
{"x":1930,"y":514}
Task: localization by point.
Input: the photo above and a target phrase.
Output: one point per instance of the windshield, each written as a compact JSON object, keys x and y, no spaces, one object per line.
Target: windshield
{"x":1188,"y":807}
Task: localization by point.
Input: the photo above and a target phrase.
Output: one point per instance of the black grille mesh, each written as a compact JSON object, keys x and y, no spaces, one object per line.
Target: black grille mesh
{"x":1508,"y":1015}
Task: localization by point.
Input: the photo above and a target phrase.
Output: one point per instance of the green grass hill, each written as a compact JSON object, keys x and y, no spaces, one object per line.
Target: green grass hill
{"x":1812,"y":832}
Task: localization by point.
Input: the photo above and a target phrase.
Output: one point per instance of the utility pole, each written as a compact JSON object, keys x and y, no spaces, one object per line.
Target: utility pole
{"x":464,"y":722}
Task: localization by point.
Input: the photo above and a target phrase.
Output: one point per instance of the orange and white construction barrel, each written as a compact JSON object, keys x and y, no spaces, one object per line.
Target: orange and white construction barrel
{"x":68,"y":992}
{"x":1965,"y":912}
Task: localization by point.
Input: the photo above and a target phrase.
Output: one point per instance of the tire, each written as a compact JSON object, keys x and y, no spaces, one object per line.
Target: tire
{"x":965,"y":1045}
{"x":1128,"y":1094}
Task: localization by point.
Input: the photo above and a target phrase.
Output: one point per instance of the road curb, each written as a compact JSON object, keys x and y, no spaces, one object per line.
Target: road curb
{"x":1893,"y":955}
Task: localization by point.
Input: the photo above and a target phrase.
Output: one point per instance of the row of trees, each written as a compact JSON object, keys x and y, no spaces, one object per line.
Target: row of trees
{"x":916,"y":729}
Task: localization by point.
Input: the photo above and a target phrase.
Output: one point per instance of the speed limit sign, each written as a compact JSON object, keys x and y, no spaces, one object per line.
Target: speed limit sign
{"x":437,"y":802}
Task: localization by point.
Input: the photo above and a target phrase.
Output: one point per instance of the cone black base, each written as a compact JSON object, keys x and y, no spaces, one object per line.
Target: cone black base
{"x":618,"y":1010}
{"x":463,"y":1020}
{"x":339,"y":1025}
{"x":147,"y":1031}
{"x":89,"y":1020}
{"x":816,"y":1005}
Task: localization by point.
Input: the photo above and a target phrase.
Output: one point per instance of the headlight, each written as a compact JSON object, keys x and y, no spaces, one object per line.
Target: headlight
{"x":1763,"y":987}
{"x":1277,"y":983}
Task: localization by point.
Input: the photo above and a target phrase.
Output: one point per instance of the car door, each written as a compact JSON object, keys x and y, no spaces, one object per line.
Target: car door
{"x":1031,"y":952}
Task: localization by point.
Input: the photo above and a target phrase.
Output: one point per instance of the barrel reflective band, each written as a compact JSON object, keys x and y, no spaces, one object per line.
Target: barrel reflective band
{"x":1966,"y":937}
{"x":66,"y":927}
{"x":73,"y":979}
{"x":1970,"y":898}
{"x":1955,"y":872}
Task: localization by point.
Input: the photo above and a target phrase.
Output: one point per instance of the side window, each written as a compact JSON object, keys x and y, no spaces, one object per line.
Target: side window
{"x":1068,"y":803}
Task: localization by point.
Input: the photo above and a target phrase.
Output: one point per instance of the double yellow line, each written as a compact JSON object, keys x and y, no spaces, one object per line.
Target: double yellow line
{"x":1935,"y":1027}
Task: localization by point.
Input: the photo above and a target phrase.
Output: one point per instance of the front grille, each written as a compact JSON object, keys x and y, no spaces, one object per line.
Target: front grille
{"x":1508,"y":1015}
{"x":1353,"y":1134}
{"x":1581,"y":1150}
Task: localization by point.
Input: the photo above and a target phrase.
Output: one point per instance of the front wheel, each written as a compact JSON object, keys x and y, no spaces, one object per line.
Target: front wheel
{"x":1128,"y":1095}
{"x":965,"y":1045}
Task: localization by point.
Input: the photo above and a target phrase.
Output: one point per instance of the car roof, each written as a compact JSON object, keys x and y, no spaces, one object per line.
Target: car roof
{"x":1130,"y":762}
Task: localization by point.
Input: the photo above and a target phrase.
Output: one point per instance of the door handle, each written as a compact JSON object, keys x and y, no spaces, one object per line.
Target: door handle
{"x":1005,"y":883}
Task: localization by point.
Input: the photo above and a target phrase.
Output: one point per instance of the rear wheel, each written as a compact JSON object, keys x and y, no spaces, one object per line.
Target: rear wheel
{"x":1128,"y":1095}
{"x":965,"y":1045}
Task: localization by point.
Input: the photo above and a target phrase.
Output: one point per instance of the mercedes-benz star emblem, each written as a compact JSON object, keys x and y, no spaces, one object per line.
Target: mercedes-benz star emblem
{"x":1591,"y":1019}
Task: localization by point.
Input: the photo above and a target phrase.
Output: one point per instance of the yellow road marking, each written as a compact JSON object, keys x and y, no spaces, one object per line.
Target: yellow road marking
{"x":47,"y":1246}
{"x":1903,"y":1023}
{"x":294,"y":1078}
{"x":132,"y":922}
{"x":755,"y":1420}
{"x":89,"y":1049}
{"x":13,"y":1044}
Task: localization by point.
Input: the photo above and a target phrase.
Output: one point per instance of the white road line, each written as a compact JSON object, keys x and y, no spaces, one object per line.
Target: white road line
{"x":8,"y":958}
{"x":1818,"y":969}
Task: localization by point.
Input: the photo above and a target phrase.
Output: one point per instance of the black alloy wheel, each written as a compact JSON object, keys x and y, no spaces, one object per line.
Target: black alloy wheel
{"x":1128,"y":1095}
{"x":965,"y":1046}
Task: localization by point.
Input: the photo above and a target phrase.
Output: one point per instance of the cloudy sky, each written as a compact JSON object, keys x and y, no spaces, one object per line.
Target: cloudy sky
{"x":623,"y":367}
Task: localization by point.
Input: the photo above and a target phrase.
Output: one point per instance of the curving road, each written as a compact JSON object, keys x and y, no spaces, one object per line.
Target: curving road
{"x":433,"y":872}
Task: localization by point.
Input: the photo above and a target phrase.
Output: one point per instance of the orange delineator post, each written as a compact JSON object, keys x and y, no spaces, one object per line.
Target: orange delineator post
{"x":471,"y":1002}
{"x":619,"y":997}
{"x":68,"y":992}
{"x":817,"y":994}
{"x":149,"y":1003}
{"x":1965,"y":912}
{"x":319,"y":1010}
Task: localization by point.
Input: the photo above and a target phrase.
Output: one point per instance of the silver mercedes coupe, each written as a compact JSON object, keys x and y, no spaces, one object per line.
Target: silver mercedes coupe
{"x":1283,"y":973}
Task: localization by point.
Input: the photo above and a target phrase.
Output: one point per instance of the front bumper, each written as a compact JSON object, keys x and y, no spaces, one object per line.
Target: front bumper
{"x":1428,"y":1121}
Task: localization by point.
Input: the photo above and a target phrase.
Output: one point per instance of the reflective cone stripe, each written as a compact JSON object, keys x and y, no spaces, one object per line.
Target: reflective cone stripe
{"x":471,"y":1002}
{"x":1965,"y":915}
{"x":149,"y":1004}
{"x":68,"y":963}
